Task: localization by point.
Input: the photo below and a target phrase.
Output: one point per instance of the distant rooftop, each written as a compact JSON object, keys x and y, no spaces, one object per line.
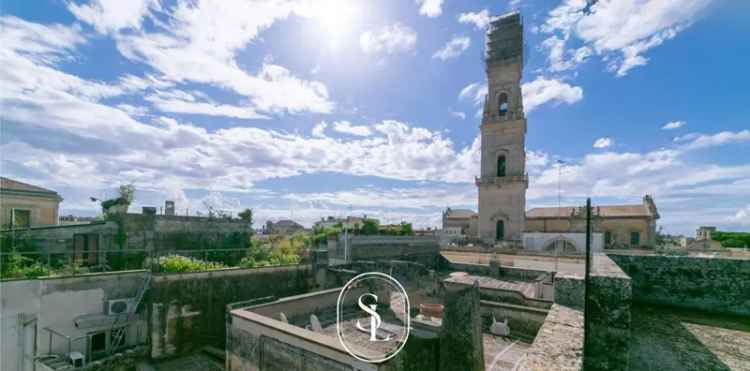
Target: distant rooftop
{"x":8,"y":185}
{"x":459,"y":213}
{"x":607,"y":211}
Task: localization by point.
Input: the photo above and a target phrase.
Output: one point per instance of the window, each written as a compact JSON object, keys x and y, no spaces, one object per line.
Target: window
{"x":502,"y":104}
{"x":501,"y":166}
{"x":499,"y":230}
{"x":20,"y":218}
{"x":635,"y":238}
{"x":99,"y":342}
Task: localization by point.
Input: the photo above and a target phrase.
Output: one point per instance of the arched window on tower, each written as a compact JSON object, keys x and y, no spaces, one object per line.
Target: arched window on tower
{"x":501,"y":165}
{"x":502,"y":104}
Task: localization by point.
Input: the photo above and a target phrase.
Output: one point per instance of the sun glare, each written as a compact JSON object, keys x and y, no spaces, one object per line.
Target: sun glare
{"x":336,"y":19}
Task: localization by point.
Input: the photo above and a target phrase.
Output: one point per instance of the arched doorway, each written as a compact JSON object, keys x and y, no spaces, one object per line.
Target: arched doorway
{"x":499,"y":230}
{"x":561,"y":245}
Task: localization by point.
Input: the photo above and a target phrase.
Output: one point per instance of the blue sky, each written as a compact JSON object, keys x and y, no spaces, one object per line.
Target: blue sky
{"x":305,"y":109}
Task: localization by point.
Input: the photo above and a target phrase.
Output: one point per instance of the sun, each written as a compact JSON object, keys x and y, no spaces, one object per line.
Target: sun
{"x":336,"y":18}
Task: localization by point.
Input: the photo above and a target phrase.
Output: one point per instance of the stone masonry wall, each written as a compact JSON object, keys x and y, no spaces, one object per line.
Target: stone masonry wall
{"x":719,"y":285}
{"x":188,"y":310}
{"x":608,"y":316}
{"x":559,"y":343}
{"x":608,"y":313}
{"x":569,"y":290}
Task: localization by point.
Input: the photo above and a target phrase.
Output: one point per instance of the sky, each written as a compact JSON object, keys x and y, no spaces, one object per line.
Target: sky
{"x":304,"y":109}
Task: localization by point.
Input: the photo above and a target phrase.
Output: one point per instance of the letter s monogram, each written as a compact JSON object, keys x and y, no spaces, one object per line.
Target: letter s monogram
{"x":375,"y":320}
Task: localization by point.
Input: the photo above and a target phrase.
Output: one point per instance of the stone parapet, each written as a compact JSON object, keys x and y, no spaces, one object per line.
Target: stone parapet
{"x":569,"y":290}
{"x":559,"y":343}
{"x":608,"y":315}
{"x":711,"y":284}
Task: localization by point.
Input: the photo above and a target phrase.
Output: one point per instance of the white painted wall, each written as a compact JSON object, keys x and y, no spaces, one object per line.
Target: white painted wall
{"x":537,"y":241}
{"x":17,"y":297}
{"x":56,"y":302}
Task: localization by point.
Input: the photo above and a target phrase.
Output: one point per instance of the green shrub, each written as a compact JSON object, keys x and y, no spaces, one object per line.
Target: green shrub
{"x":261,"y":257}
{"x":17,"y":266}
{"x":732,"y":239}
{"x":36,"y":270}
{"x":732,"y":242}
{"x":179,"y":264}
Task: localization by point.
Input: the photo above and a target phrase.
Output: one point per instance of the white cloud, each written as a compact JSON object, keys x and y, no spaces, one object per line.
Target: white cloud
{"x":666,"y":174}
{"x":480,"y":19}
{"x":673,"y":125}
{"x":475,"y":91}
{"x":455,"y":47}
{"x":459,"y":115}
{"x":29,"y":54}
{"x":43,"y":44}
{"x":619,"y":31}
{"x":136,"y":83}
{"x":430,"y":8}
{"x":346,"y":127}
{"x":700,"y":141}
{"x":536,"y":160}
{"x":396,"y":38}
{"x":542,"y":90}
{"x":742,"y":217}
{"x":133,"y":110}
{"x":319,"y":130}
{"x":181,"y":102}
{"x":559,"y":58}
{"x":535,"y":93}
{"x":603,"y":143}
{"x":199,"y":42}
{"x":426,"y":197}
{"x":113,"y":15}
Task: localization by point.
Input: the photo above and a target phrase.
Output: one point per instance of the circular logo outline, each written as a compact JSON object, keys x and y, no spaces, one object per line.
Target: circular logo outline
{"x":407,"y":315}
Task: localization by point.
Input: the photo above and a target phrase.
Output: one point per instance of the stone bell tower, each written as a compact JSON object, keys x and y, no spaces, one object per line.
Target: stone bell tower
{"x":503,"y":181}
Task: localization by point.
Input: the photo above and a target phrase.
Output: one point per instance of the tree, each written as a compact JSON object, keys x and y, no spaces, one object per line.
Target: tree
{"x":369,"y":227}
{"x":247,"y":215}
{"x":406,"y":229}
{"x":125,"y":197}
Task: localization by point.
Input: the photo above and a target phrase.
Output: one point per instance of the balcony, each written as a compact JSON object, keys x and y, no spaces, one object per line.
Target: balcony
{"x":502,"y":180}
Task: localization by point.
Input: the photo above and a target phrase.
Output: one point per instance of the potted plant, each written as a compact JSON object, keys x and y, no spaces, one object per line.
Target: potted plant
{"x":120,"y":204}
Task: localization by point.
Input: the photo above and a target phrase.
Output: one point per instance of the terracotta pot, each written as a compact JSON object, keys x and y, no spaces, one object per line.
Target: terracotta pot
{"x":431,"y":310}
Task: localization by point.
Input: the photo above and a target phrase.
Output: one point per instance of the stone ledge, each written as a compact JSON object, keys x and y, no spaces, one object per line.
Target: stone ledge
{"x":559,"y":343}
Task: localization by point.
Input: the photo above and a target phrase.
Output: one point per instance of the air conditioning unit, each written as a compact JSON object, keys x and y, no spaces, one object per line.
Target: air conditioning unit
{"x":76,"y":359}
{"x":120,"y":306}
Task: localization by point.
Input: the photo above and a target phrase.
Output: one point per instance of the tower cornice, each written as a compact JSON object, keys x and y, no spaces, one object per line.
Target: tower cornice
{"x":503,"y":127}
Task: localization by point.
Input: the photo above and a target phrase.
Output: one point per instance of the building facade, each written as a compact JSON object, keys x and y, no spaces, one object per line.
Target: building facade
{"x":457,"y":222}
{"x":622,"y":226}
{"x":24,"y":205}
{"x":502,"y":183}
{"x":704,"y":233}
